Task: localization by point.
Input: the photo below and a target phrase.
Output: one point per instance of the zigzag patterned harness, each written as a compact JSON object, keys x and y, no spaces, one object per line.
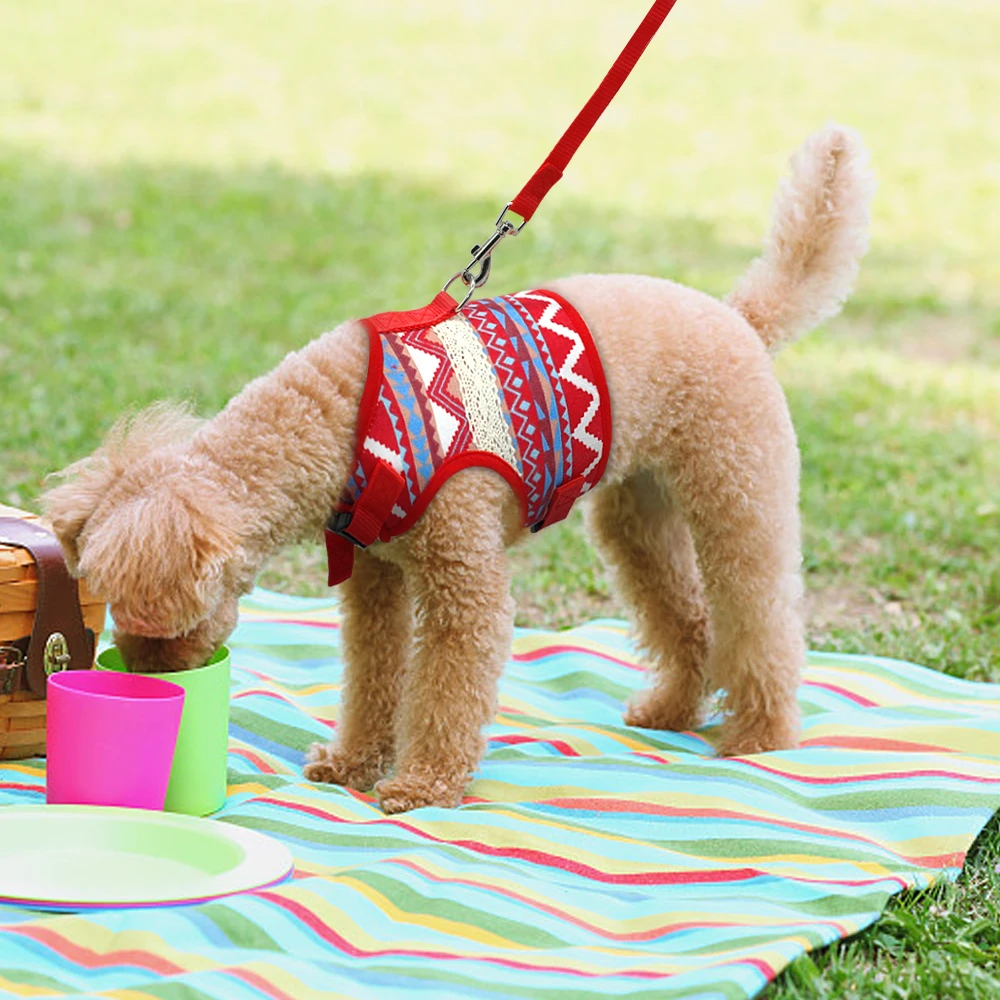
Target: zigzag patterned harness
{"x":513,"y":384}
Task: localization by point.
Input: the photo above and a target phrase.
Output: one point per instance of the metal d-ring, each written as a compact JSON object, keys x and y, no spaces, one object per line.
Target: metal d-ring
{"x":468,"y":295}
{"x":485,"y":265}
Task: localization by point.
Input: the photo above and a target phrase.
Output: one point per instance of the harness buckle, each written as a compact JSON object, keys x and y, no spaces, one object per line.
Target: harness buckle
{"x":339,"y":522}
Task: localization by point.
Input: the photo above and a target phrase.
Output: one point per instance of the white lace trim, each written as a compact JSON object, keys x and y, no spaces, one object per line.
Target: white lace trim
{"x":480,"y":391}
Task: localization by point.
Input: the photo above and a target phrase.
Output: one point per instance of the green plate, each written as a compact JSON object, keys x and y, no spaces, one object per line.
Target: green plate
{"x":86,"y":856}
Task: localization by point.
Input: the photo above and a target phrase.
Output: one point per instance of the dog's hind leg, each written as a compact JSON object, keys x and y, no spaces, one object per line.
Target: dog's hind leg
{"x":740,"y":496}
{"x":377,"y":639}
{"x":753,"y":584}
{"x":648,"y":546}
{"x":465,"y":615}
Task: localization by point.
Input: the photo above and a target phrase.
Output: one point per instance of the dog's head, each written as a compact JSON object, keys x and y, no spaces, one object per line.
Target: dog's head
{"x":155,"y":537}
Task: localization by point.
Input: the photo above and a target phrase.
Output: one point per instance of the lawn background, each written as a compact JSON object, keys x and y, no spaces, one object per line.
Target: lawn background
{"x":190,"y":190}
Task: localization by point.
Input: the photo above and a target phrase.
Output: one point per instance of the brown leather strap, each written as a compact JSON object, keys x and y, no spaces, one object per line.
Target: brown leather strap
{"x":58,"y":607}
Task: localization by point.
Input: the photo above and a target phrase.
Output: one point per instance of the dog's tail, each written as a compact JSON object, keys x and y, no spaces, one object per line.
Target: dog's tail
{"x":819,"y":232}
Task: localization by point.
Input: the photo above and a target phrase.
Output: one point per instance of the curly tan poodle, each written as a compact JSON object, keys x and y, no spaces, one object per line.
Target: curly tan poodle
{"x":172,"y":518}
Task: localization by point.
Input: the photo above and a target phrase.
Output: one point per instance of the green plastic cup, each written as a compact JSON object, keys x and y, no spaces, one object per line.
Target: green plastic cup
{"x":198,"y":776}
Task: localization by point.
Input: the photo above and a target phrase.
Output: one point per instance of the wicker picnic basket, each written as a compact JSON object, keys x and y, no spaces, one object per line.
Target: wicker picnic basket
{"x":47,"y":622}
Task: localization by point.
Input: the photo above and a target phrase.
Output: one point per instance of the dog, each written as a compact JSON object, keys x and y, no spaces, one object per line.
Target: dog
{"x":172,"y":518}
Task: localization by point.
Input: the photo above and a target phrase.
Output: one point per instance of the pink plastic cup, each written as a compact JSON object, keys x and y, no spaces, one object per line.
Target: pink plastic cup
{"x":110,"y":738}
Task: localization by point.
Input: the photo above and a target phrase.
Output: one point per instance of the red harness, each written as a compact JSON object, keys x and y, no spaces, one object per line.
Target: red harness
{"x":513,"y":384}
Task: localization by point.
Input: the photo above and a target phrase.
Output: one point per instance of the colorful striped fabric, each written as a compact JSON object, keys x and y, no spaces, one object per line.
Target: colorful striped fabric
{"x":590,"y":860}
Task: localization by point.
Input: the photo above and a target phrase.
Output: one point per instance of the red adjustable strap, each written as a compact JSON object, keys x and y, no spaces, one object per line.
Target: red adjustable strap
{"x":531,"y":195}
{"x":362,"y":523}
{"x":339,"y":558}
{"x":563,"y":498}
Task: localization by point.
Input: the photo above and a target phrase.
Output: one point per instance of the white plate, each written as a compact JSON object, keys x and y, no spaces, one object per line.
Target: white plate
{"x":85,"y":856}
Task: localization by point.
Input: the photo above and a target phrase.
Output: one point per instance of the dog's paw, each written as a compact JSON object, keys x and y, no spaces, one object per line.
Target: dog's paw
{"x":329,"y":764}
{"x":758,"y":735}
{"x":656,"y":708}
{"x":404,"y":792}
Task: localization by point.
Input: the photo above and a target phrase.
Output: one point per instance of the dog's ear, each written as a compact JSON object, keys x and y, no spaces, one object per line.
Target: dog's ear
{"x":68,"y":506}
{"x":160,"y":556}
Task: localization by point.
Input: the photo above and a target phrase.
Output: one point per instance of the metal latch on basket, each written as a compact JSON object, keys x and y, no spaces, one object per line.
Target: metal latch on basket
{"x":11,"y":664}
{"x":56,"y":657}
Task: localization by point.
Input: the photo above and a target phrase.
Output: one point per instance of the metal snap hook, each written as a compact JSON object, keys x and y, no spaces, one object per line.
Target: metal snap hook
{"x":482,"y":256}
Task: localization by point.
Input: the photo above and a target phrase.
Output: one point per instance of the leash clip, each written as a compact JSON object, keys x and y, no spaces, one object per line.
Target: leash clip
{"x":482,"y":255}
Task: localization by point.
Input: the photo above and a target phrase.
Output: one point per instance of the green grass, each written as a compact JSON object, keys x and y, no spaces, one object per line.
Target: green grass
{"x":941,"y":943}
{"x":190,"y":190}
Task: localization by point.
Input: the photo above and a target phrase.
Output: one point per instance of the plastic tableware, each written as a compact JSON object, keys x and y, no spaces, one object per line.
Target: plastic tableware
{"x":198,"y":779}
{"x":110,"y":738}
{"x":74,"y":857}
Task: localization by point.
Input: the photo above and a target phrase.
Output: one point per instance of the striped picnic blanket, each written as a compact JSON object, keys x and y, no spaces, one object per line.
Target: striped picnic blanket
{"x":589,"y":860}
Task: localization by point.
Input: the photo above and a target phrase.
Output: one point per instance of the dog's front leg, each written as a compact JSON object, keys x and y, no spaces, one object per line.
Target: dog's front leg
{"x":465,"y":617}
{"x":377,"y":639}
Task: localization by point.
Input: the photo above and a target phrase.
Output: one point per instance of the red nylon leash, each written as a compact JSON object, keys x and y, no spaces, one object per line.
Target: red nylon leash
{"x":530,"y":196}
{"x":527,"y":200}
